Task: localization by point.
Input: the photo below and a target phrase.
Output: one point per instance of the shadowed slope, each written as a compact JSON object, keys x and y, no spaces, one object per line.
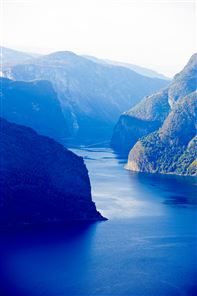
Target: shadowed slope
{"x":40,"y":180}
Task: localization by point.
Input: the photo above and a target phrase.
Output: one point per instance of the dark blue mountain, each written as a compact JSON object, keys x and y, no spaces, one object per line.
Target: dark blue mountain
{"x":41,"y":182}
{"x":33,"y":104}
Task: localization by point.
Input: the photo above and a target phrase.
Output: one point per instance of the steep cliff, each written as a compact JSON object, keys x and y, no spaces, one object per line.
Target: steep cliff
{"x":173,"y":148}
{"x":144,"y":118}
{"x":40,"y":180}
{"x":150,"y":113}
{"x":35,"y":105}
{"x":92,"y":95}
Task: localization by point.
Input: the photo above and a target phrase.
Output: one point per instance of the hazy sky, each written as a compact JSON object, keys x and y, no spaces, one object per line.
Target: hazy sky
{"x":155,"y":34}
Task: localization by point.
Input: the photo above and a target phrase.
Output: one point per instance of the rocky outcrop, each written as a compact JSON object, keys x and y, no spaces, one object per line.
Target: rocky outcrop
{"x":150,"y":113}
{"x":173,"y":148}
{"x":40,"y":180}
{"x":35,"y":105}
{"x":92,"y":94}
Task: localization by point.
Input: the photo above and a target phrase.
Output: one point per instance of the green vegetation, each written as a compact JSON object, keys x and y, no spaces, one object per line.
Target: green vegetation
{"x":171,"y":148}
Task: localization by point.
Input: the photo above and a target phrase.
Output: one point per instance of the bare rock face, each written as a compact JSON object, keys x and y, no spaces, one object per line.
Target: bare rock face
{"x":40,"y":180}
{"x":149,"y":115}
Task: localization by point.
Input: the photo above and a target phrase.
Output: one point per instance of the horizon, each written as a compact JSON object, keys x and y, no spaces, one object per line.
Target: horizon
{"x":103,"y":29}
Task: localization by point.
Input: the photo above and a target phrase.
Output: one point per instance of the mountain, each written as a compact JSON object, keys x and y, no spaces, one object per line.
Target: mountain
{"x":92,"y":95}
{"x":10,"y":57}
{"x":172,"y":148}
{"x":138,"y":69}
{"x":41,"y":181}
{"x":184,"y":82}
{"x":150,"y":113}
{"x":145,"y":117}
{"x":33,"y":104}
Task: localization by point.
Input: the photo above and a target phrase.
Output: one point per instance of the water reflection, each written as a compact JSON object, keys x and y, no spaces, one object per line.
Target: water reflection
{"x":173,"y":190}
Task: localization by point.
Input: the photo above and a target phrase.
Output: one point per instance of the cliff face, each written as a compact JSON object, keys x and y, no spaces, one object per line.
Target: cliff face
{"x":150,"y":113}
{"x":40,"y":180}
{"x":33,"y":104}
{"x":144,"y":118}
{"x":173,"y":148}
{"x":92,"y":94}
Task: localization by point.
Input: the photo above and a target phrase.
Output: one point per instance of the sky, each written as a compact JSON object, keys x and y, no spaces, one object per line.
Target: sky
{"x":160,"y":35}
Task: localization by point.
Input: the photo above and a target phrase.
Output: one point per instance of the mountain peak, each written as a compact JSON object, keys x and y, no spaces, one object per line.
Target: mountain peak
{"x":193,"y":59}
{"x":62,"y":55}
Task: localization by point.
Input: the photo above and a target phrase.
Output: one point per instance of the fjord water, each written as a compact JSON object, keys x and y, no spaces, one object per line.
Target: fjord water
{"x":147,"y":247}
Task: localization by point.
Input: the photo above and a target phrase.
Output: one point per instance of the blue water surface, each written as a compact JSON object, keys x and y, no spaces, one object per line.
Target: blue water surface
{"x":147,"y":247}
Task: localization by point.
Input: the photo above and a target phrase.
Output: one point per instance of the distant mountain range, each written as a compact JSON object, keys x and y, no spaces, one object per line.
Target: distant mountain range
{"x":138,"y":69}
{"x":92,"y":94}
{"x":161,"y":129}
{"x":10,"y":57}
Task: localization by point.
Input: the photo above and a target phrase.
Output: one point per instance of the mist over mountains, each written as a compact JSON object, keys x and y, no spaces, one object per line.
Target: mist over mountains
{"x":138,"y":69}
{"x":78,"y":99}
{"x":10,"y":57}
{"x":92,"y":94}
